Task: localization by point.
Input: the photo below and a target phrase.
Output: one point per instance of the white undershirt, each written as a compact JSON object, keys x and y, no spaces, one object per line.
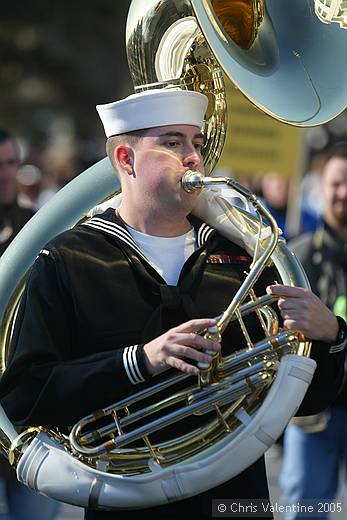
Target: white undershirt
{"x":166,"y":255}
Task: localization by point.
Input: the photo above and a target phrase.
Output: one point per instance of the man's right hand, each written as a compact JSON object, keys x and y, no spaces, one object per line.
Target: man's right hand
{"x":179,"y":344}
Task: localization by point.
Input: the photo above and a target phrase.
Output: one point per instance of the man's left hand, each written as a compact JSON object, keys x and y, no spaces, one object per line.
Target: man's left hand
{"x":303,"y":311}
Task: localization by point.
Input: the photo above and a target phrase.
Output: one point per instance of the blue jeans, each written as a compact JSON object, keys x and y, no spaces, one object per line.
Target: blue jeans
{"x":25,"y":504}
{"x":312,"y":463}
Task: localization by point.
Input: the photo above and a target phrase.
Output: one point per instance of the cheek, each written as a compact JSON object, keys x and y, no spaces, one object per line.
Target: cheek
{"x":9,"y":179}
{"x":150,"y":175}
{"x":328,"y":195}
{"x":156,"y":170}
{"x":342,"y":193}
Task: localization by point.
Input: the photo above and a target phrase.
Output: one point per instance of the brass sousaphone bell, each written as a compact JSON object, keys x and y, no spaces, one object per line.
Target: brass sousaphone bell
{"x":291,"y":66}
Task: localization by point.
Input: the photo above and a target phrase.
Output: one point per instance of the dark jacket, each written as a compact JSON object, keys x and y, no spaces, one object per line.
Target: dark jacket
{"x":324,"y":257}
{"x":12,"y":219}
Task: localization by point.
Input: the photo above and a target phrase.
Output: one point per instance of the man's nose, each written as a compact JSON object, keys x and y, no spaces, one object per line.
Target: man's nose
{"x":192,"y":158}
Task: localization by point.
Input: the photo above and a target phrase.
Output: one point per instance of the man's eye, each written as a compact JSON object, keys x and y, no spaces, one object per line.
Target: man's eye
{"x":172,"y":144}
{"x":199,"y":146}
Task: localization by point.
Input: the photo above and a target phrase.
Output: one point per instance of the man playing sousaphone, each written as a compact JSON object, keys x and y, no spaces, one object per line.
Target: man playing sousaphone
{"x":114,"y":302}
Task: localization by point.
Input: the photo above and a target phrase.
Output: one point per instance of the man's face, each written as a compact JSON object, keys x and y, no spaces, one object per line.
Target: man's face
{"x":334,"y":185}
{"x":275,"y":188}
{"x":161,"y":158}
{"x":9,"y":163}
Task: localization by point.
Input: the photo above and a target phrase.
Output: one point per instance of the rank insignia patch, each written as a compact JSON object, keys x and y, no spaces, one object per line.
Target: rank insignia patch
{"x":229,"y":259}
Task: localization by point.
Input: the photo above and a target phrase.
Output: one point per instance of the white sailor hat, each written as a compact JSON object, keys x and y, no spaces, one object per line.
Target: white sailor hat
{"x":153,"y":108}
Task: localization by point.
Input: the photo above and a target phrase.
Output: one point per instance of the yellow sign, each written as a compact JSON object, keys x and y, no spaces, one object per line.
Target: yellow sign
{"x":256,"y":143}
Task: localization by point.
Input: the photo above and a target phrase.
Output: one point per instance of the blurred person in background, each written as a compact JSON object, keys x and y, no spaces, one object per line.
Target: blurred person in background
{"x":312,"y":198}
{"x":35,"y":187}
{"x":29,"y":179}
{"x":275,"y":190}
{"x":22,"y":503}
{"x":315,"y":447}
{"x":12,"y":215}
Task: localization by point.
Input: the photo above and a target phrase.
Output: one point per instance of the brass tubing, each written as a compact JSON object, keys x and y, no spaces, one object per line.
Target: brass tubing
{"x":228,"y":364}
{"x":178,"y":415}
{"x":249,"y":307}
{"x":228,"y":380}
{"x":225,"y":395}
{"x":241,"y":356}
{"x":136,"y":416}
{"x":197,"y":396}
{"x":142,"y":394}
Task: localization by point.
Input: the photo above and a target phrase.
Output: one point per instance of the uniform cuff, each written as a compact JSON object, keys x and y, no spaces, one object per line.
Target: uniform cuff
{"x":341,"y":340}
{"x":134,"y":364}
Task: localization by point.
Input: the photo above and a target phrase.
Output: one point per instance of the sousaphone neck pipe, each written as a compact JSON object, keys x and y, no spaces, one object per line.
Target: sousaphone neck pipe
{"x":192,"y":181}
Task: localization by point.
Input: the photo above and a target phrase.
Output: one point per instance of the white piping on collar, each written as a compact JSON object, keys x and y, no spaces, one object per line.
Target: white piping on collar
{"x":115,"y":230}
{"x":102,"y":224}
{"x":204,"y":232}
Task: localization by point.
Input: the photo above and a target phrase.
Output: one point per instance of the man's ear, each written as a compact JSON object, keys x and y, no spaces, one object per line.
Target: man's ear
{"x":124,"y":156}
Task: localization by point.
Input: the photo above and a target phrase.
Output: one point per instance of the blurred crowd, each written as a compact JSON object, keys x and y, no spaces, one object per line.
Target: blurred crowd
{"x":295,"y":203}
{"x":42,"y":172}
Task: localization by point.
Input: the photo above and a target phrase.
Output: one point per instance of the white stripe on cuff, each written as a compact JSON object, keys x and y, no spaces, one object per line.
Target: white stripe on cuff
{"x":130,"y":364}
{"x":337,"y":348}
